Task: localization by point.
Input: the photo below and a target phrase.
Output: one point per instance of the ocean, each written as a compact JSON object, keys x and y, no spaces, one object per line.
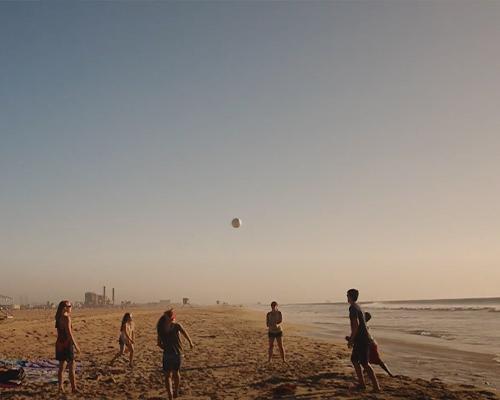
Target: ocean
{"x":463,"y":334}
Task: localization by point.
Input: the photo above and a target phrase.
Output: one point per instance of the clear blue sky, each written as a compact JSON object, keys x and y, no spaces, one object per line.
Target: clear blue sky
{"x":359,"y":141}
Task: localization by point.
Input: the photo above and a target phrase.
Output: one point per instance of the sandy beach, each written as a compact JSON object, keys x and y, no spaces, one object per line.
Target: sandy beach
{"x":228,"y":361}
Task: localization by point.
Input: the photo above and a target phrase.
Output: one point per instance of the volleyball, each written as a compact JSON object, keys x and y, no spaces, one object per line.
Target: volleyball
{"x":236,"y":223}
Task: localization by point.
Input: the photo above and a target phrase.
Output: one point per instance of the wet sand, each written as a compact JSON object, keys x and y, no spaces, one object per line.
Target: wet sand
{"x":427,"y":361}
{"x":229,"y":360}
{"x":450,"y":365}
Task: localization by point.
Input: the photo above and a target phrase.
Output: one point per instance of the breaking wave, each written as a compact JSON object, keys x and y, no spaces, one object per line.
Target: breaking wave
{"x":432,"y":307}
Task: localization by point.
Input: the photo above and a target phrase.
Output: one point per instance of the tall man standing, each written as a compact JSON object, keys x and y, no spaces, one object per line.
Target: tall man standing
{"x":359,"y":342}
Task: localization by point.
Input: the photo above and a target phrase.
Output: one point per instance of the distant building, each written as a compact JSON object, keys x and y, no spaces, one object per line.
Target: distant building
{"x":6,"y":301}
{"x":94,"y":299}
{"x":165,"y":301}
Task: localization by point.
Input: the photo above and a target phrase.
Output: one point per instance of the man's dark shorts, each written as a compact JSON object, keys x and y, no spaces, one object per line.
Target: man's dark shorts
{"x":171,"y":362}
{"x":274,"y":335}
{"x":361,"y":352}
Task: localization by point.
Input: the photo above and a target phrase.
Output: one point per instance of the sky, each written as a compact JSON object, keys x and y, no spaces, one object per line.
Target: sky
{"x":358,"y":141}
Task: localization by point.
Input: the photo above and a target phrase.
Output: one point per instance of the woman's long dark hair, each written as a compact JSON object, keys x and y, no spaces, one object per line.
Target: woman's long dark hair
{"x":160,"y":325}
{"x":126,"y":317}
{"x":60,"y":310}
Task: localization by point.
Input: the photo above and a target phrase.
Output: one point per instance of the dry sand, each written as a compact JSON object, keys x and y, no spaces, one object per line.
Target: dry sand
{"x":229,"y":360}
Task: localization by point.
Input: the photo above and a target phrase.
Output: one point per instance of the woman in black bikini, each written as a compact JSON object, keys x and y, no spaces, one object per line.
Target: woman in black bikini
{"x":275,"y":332}
{"x":65,"y":345}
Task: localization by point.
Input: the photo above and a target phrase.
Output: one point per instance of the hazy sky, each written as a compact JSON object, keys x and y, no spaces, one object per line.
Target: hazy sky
{"x":359,"y":141}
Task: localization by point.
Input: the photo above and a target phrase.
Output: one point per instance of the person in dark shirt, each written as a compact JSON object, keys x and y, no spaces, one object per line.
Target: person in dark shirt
{"x":374,"y":355}
{"x":169,"y":340}
{"x":359,"y":341}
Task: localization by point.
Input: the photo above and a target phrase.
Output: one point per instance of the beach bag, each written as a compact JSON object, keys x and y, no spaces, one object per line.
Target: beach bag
{"x":16,"y":374}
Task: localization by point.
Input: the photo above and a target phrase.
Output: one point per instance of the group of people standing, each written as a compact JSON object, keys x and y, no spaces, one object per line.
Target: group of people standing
{"x":363,"y":345}
{"x":169,"y":333}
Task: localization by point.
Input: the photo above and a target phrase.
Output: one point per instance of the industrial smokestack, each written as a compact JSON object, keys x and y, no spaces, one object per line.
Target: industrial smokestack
{"x":113,"y":294}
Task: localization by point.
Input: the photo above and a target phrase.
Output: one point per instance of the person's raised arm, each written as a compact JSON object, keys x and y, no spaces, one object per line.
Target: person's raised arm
{"x":67,"y":323}
{"x":186,"y":335}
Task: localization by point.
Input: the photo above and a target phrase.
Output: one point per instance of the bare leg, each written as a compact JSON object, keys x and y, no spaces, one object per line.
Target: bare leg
{"x":281,"y":349}
{"x":177,"y":381}
{"x":131,"y":350}
{"x":72,"y":379}
{"x":271,"y":345}
{"x":119,"y":354}
{"x":369,"y":370}
{"x":386,"y":369}
{"x":168,"y":384}
{"x":359,"y":373}
{"x":60,"y":380}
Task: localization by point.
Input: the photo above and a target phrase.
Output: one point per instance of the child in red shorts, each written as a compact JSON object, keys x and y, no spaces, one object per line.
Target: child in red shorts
{"x":374,"y":356}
